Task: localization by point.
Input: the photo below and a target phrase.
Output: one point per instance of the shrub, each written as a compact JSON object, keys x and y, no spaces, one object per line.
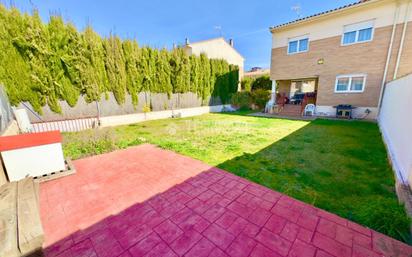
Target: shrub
{"x":242,"y":100}
{"x":89,"y":143}
{"x":146,"y":108}
{"x":260,"y":97}
{"x":263,"y":82}
{"x":246,"y":84}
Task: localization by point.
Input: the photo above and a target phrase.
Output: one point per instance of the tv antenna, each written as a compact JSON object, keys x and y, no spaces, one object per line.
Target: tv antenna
{"x":219,"y":29}
{"x":297,"y":9}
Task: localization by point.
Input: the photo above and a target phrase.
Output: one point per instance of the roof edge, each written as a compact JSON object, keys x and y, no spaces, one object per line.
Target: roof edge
{"x":321,"y":15}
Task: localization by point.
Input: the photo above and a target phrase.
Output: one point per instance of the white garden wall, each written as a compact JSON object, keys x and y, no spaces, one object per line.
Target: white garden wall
{"x":395,"y":122}
{"x":139,"y":117}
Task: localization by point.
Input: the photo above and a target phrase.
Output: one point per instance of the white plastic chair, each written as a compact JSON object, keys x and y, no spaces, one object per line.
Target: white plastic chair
{"x":309,"y":109}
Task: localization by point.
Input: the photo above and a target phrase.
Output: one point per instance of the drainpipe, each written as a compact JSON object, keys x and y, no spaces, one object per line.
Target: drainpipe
{"x":405,"y":25}
{"x":388,"y":58}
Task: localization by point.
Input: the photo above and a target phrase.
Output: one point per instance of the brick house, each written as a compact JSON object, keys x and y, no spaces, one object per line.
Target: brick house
{"x":344,"y":56}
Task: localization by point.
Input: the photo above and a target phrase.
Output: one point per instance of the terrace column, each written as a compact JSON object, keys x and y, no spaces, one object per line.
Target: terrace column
{"x":270,"y":106}
{"x":273,"y":95}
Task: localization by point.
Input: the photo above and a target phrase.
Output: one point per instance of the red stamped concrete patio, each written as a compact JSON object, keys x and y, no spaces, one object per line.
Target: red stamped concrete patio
{"x":145,"y":201}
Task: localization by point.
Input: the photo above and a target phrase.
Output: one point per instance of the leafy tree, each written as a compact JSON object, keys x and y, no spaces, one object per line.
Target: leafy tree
{"x":262,"y":82}
{"x":246,"y":84}
{"x":260,"y":97}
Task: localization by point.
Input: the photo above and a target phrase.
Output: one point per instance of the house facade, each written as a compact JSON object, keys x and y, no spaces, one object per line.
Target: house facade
{"x":217,"y":48}
{"x":345,"y":55}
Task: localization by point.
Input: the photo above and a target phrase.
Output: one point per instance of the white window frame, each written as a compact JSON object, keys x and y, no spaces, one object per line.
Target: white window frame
{"x":350,"y":76}
{"x":356,"y":27}
{"x":298,"y":46}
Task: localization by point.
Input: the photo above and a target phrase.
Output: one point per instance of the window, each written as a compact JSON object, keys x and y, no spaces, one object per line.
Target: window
{"x":349,"y":37}
{"x":293,"y":47}
{"x":358,"y":32}
{"x":350,"y":83}
{"x":298,"y":45}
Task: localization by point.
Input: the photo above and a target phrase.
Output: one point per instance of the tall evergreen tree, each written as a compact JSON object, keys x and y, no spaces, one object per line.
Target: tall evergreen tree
{"x":14,"y":70}
{"x":205,"y":78}
{"x":61,"y":60}
{"x":194,"y":73}
{"x":46,"y":63}
{"x":95,"y":54}
{"x":35,"y":42}
{"x":134,"y":80}
{"x":163,"y":75}
{"x":115,"y":67}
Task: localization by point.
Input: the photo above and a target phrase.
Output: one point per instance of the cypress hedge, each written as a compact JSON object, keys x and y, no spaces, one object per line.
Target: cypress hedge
{"x":43,"y":63}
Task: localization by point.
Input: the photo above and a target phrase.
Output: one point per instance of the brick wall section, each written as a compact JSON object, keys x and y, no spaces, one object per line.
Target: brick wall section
{"x":369,"y":58}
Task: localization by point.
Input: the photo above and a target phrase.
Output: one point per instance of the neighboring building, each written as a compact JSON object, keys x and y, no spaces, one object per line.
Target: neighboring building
{"x":257,"y":72}
{"x":217,"y":48}
{"x":253,"y":69}
{"x":345,"y":55}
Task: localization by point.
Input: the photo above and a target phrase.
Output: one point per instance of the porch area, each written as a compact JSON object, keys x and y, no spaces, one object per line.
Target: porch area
{"x":293,"y":95}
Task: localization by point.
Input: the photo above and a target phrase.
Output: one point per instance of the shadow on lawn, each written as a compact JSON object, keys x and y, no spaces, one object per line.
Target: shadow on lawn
{"x":338,"y":166}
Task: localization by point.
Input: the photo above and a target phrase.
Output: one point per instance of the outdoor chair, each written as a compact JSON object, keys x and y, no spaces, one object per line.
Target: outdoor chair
{"x":309,"y":110}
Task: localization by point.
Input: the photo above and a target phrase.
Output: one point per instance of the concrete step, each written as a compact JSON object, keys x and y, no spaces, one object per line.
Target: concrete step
{"x":291,"y":110}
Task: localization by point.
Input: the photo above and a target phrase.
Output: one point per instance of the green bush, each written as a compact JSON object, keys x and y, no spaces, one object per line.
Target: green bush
{"x":90,"y":142}
{"x":44,"y":63}
{"x":260,"y":97}
{"x":241,"y":100}
{"x":246,"y":84}
{"x":262,"y":82}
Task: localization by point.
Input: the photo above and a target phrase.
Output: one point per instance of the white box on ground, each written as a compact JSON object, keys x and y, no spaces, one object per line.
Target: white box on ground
{"x":32,"y":155}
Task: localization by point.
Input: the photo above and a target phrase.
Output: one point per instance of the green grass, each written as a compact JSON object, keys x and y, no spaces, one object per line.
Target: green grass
{"x":339,"y":166}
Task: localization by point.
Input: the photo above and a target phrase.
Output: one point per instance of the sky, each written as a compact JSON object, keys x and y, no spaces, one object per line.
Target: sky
{"x":162,"y":23}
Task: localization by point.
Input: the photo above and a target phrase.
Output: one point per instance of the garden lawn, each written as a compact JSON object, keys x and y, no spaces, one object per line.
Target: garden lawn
{"x":339,"y":166}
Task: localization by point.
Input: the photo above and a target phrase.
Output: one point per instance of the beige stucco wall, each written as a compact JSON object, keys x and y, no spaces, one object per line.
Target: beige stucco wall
{"x":217,"y":49}
{"x":256,"y":74}
{"x":325,"y":43}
